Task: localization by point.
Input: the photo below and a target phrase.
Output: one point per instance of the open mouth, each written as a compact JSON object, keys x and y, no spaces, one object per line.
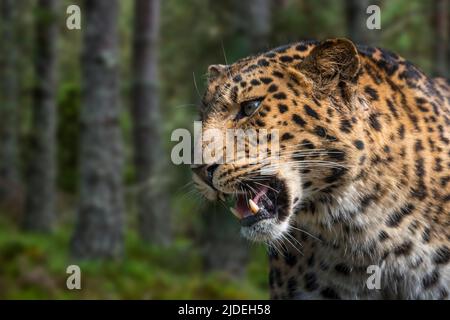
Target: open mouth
{"x":261,"y":201}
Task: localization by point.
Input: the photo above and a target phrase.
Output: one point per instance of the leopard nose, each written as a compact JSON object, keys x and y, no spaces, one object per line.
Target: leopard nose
{"x":206,"y":172}
{"x":210,"y":172}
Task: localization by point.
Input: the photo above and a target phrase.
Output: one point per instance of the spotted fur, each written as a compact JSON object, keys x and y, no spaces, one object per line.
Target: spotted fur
{"x":384,"y":201}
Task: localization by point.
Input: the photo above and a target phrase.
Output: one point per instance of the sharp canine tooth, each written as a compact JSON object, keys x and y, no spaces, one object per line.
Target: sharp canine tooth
{"x":221,"y":197}
{"x":253,"y":206}
{"x":235,"y":213}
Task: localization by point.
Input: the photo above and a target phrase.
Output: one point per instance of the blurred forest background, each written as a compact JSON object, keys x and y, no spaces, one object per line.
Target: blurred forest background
{"x":85,"y":123}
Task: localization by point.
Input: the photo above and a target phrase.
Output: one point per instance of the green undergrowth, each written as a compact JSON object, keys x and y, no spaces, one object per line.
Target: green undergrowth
{"x":33,"y":266}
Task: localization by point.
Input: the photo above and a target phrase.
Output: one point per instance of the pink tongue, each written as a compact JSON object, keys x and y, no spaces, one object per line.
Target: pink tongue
{"x":242,"y":202}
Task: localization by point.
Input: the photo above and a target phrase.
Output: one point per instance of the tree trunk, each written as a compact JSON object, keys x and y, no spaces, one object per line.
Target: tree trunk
{"x":99,"y":229}
{"x":356,"y":16}
{"x":441,"y":37}
{"x":258,"y":24}
{"x":9,"y":183}
{"x":152,"y":199}
{"x":39,"y":212}
{"x":223,"y":248}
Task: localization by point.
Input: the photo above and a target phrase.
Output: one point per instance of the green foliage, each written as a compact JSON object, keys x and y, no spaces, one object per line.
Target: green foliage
{"x":68,"y":136}
{"x":406,"y":30}
{"x":34,"y":266}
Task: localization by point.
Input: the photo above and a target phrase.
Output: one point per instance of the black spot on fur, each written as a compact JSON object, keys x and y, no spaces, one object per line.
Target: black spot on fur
{"x":383,"y":236}
{"x":420,"y":190}
{"x":443,"y":294}
{"x":263,"y":62}
{"x":392,"y":108}
{"x":442,"y":255}
{"x":237,"y":78}
{"x":309,"y":111}
{"x":307,"y":144}
{"x":410,"y":74}
{"x":346,"y":126}
{"x":397,"y":216}
{"x":418,"y":146}
{"x":336,"y":154}
{"x":250,"y":68}
{"x":367,"y":200}
{"x":286,"y":59}
{"x":260,"y":123}
{"x":266,"y":80}
{"x":286,"y":136}
{"x":272,"y":88}
{"x":442,"y":136}
{"x":322,"y":132}
{"x":403,"y":249}
{"x":307,"y":184}
{"x":359,"y":144}
{"x":373,"y":94}
{"x":282,"y":107}
{"x":430,"y":279}
{"x":234,"y":92}
{"x":401,"y":132}
{"x":336,"y":174}
{"x":426,"y":235}
{"x":280,"y":96}
{"x":278,"y":74}
{"x":301,"y":47}
{"x":420,"y":169}
{"x":298,"y":120}
{"x":373,"y":121}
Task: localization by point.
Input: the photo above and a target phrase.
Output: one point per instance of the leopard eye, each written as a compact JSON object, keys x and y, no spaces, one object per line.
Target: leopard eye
{"x":249,"y":107}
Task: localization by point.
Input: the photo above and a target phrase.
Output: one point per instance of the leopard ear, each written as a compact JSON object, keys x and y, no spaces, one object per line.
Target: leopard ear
{"x":330,"y":62}
{"x":215,"y":70}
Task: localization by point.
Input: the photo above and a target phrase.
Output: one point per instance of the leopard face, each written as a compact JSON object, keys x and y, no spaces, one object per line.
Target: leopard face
{"x":293,"y":96}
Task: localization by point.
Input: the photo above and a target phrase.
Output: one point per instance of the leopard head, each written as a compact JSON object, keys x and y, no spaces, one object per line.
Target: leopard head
{"x":300,"y":98}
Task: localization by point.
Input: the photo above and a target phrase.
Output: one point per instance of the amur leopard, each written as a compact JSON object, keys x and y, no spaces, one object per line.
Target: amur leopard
{"x":362,"y":176}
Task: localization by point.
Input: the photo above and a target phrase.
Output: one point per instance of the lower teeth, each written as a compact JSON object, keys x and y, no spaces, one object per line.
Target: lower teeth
{"x":235,"y":213}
